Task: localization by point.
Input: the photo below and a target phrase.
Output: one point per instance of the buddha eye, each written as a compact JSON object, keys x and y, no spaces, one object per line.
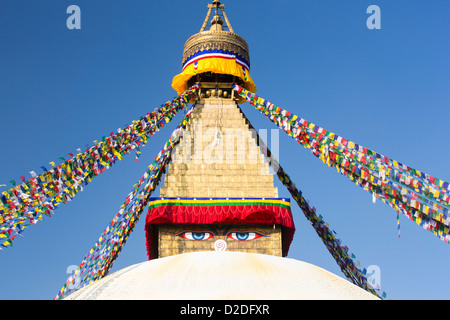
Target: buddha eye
{"x":244,"y":236}
{"x":198,"y":236}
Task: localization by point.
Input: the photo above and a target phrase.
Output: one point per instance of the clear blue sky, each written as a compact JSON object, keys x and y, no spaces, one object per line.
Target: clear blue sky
{"x":386,"y":89}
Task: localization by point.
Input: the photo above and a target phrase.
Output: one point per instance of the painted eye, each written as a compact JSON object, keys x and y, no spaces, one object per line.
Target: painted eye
{"x":243,"y":236}
{"x":196,"y":235}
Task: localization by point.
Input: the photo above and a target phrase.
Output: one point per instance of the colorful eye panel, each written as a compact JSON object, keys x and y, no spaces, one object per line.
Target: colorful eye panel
{"x":197,"y":236}
{"x":244,"y":236}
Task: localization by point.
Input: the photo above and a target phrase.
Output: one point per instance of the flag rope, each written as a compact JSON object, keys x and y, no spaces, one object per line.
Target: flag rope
{"x":101,"y":257}
{"x":419,"y":196}
{"x":340,"y":253}
{"x":26,"y":204}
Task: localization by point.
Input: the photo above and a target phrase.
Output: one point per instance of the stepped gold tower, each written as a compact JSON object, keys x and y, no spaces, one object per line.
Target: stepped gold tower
{"x":218,"y":167}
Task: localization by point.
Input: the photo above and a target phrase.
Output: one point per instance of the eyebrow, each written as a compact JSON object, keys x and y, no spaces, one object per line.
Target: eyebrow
{"x":225,"y":232}
{"x":212,"y":229}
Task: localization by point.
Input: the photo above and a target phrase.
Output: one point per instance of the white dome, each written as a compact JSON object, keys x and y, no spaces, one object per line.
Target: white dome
{"x":221,"y":275}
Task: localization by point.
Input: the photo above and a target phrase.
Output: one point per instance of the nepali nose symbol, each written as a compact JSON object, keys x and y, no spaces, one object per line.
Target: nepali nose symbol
{"x":220,"y":245}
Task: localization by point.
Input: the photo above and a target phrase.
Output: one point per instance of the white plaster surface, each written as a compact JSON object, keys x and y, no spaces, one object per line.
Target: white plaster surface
{"x":225,"y":275}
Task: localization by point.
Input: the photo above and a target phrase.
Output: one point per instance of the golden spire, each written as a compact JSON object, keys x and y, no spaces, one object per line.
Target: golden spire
{"x":203,"y":51}
{"x":216,"y":21}
{"x":216,"y":37}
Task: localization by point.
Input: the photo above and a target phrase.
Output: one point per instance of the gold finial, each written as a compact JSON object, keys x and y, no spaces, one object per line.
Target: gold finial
{"x":216,"y":37}
{"x":216,"y":22}
{"x":213,"y":44}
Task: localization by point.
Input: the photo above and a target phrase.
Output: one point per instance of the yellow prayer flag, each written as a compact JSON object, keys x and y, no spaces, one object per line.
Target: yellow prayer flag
{"x":118,"y":155}
{"x":435,"y":193}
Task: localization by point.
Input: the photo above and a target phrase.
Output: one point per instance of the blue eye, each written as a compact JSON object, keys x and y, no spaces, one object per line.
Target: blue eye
{"x":243,"y":236}
{"x":196,"y":235}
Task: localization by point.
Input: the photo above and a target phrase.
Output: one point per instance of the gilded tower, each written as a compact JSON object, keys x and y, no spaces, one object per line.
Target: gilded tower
{"x":218,"y":193}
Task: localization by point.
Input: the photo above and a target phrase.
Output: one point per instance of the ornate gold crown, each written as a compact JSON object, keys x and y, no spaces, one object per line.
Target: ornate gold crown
{"x":216,"y":38}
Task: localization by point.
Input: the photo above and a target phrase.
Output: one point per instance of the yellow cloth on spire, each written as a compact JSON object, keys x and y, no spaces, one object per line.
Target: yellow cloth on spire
{"x":214,"y":65}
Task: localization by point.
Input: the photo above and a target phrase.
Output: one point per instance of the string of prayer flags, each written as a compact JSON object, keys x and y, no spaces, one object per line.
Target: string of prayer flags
{"x":298,"y":127}
{"x":419,"y":196}
{"x":42,"y":194}
{"x":340,"y":253}
{"x":395,"y":200}
{"x":100,"y":258}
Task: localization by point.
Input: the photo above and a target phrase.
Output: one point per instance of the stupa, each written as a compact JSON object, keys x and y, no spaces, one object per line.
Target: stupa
{"x":219,"y":222}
